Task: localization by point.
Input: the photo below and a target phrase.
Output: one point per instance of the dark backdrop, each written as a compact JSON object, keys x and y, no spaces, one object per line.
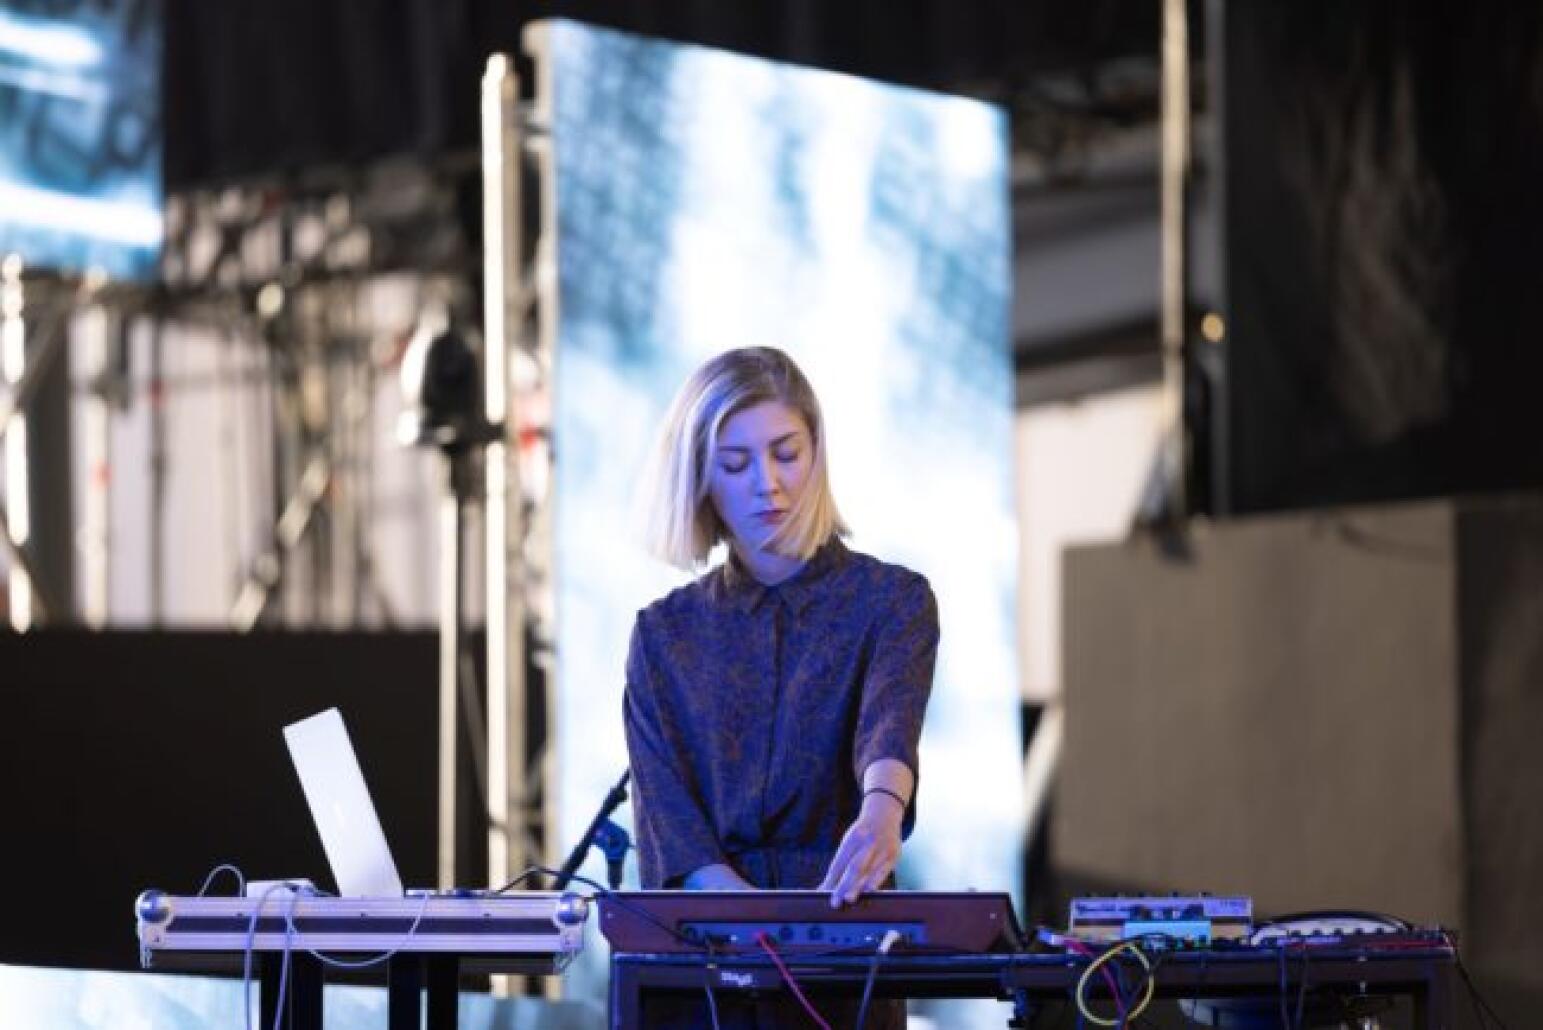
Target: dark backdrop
{"x":137,"y":760}
{"x":264,"y":87}
{"x":1383,"y":162}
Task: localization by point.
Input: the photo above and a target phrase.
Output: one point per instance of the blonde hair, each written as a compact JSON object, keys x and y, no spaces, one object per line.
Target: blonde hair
{"x":680,"y":524}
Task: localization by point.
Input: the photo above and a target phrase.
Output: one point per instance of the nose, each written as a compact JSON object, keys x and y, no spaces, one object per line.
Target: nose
{"x":766,"y":481}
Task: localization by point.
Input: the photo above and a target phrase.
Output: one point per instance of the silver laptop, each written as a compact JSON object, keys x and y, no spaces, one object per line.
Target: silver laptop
{"x":341,"y":807}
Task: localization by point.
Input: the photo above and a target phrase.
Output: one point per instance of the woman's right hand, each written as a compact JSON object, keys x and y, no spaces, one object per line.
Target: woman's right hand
{"x":716,"y":877}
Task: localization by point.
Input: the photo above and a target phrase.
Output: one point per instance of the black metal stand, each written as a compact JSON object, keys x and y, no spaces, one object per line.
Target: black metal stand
{"x":611,"y":838}
{"x":407,"y":977}
{"x":302,"y":991}
{"x":1027,"y":981}
{"x":441,"y":377}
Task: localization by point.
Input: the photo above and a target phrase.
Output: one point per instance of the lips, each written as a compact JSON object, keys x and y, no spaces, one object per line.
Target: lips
{"x":772,"y":517}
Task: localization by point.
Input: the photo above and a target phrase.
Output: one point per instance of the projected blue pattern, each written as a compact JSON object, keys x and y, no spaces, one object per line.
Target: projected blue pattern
{"x":80,"y":136}
{"x":706,"y":201}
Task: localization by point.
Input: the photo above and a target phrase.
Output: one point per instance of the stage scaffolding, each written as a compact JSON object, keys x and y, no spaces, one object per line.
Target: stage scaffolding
{"x":244,"y":399}
{"x":275,"y":326}
{"x":520,"y":329}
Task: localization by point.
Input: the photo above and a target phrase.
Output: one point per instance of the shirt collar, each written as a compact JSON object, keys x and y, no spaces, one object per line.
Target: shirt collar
{"x":747,"y":593}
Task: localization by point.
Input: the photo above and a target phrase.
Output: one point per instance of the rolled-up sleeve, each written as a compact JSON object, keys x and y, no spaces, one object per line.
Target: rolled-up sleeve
{"x":674,"y":834}
{"x":898,"y":682}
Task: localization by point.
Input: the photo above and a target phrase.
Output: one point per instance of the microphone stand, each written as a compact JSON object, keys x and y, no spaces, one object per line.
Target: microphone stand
{"x":612,"y":839}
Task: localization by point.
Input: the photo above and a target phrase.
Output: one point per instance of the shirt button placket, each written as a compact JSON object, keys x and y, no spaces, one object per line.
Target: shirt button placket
{"x":772,"y":623}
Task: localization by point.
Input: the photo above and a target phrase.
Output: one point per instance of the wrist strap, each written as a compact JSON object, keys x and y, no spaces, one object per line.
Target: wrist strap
{"x":885,"y":790}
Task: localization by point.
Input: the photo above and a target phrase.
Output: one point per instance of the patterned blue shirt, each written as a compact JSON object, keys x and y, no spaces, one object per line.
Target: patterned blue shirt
{"x":752,"y":712}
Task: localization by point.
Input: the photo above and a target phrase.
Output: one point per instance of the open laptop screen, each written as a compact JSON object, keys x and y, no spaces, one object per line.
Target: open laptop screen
{"x":341,"y":807}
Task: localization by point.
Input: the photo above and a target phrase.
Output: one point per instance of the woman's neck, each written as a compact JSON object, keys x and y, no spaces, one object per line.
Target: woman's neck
{"x":767,"y":568}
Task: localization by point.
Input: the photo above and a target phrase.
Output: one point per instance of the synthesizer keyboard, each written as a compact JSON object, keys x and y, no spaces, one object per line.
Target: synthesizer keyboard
{"x":666,"y":922}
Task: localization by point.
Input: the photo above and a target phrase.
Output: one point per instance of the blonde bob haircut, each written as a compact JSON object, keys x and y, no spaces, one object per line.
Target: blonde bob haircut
{"x":680,"y":524}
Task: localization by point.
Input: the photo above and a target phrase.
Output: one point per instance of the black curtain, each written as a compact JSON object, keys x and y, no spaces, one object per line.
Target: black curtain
{"x":266,"y":87}
{"x":143,"y":760}
{"x":1382,"y":163}
{"x":259,"y":88}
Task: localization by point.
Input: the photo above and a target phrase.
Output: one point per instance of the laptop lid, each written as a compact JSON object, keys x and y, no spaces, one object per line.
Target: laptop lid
{"x":341,"y":807}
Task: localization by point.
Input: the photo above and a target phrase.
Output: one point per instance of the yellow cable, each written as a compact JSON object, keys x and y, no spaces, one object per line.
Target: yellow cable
{"x":1140,"y":1006}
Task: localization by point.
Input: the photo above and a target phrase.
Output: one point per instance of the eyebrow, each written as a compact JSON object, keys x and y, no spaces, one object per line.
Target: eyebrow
{"x":778,"y":442}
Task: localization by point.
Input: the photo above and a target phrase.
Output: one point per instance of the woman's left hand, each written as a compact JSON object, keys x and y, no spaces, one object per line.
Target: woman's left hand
{"x":869,"y":851}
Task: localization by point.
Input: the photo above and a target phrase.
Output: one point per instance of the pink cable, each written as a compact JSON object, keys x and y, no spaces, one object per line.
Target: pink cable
{"x":1114,"y":986}
{"x":766,"y":945}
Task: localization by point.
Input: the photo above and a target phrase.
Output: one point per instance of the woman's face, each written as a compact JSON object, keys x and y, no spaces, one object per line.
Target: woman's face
{"x":759,"y":470}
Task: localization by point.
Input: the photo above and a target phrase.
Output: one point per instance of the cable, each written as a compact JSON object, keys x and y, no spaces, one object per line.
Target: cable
{"x":707,"y":983}
{"x":1473,"y":990}
{"x":287,"y":959}
{"x":251,"y":946}
{"x":373,"y":960}
{"x":890,"y":938}
{"x":1165,"y":945}
{"x":1280,"y":961}
{"x":601,"y":891}
{"x":595,"y":885}
{"x":1473,"y":999}
{"x":1157,"y":964}
{"x":1307,"y":958}
{"x":648,"y":917}
{"x":224,"y":867}
{"x":1099,"y":963}
{"x":862,"y":1007}
{"x":527,"y":874}
{"x":1201,"y":983}
{"x":1079,"y":948}
{"x":766,"y":946}
{"x":1131,"y":986}
{"x":296,"y":893}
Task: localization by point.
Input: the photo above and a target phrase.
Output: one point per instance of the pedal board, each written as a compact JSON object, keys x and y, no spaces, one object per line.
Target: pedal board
{"x":1184,"y":920}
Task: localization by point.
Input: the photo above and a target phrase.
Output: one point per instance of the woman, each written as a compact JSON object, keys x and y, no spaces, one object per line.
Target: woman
{"x":773,"y":705}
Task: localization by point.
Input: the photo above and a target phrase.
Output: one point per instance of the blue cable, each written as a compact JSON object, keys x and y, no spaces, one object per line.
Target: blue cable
{"x":251,"y":947}
{"x":284,"y":963}
{"x":712,"y":1002}
{"x":1280,"y":954}
{"x":374,"y":960}
{"x":296,"y":892}
{"x":246,"y":969}
{"x":224,"y":867}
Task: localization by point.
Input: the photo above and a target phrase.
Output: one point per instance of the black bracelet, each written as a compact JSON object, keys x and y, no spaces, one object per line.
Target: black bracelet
{"x":885,"y":790}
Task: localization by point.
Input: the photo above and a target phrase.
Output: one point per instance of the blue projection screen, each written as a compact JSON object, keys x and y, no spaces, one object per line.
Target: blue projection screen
{"x":80,"y":136}
{"x":707,"y":200}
